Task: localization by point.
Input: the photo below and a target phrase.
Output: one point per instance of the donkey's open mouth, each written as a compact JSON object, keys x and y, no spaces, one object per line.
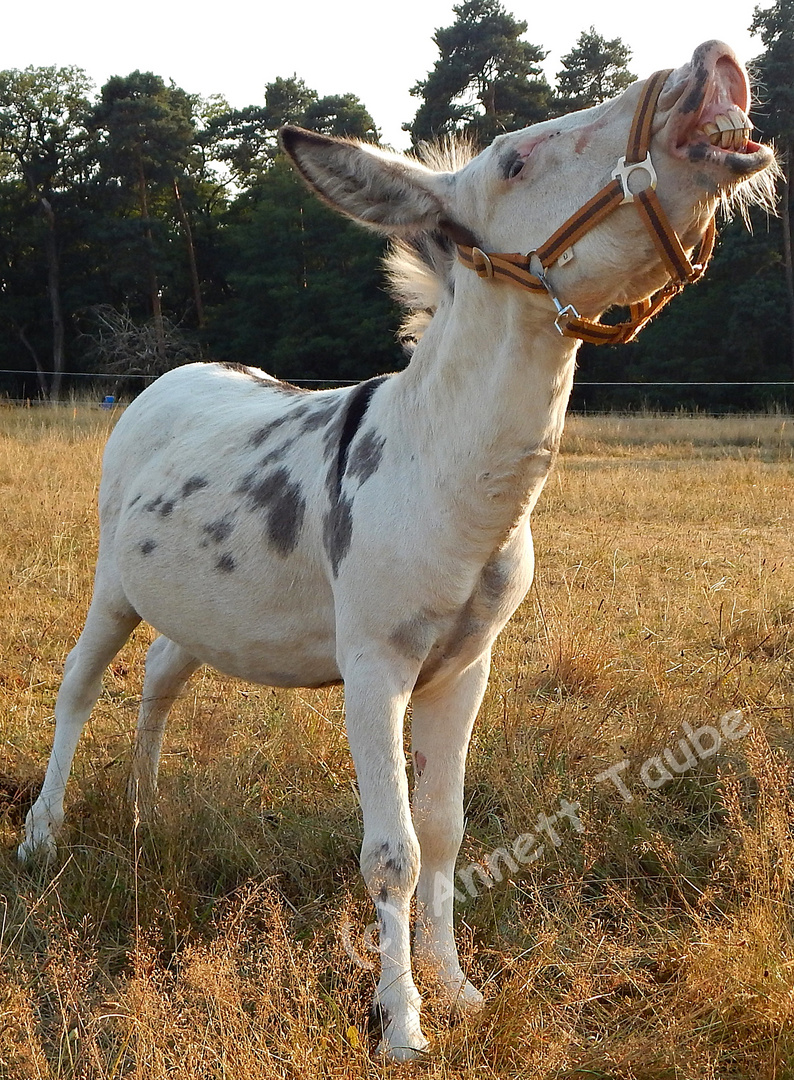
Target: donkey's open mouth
{"x":711,"y":124}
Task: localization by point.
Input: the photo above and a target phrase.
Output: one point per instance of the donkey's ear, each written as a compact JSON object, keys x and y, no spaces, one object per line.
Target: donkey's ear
{"x":385,"y":191}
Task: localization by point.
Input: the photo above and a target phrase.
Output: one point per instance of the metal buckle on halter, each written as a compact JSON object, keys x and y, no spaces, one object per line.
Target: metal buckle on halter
{"x":624,"y":171}
{"x":563,"y":312}
{"x":483,"y":267}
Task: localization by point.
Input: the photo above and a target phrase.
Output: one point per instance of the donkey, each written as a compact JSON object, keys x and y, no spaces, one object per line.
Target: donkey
{"x":378,"y":536}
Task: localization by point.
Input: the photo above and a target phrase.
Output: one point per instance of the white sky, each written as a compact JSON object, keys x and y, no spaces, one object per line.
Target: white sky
{"x":373,"y":49}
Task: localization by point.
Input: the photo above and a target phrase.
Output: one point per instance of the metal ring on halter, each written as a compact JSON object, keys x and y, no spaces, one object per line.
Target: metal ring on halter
{"x":624,"y":171}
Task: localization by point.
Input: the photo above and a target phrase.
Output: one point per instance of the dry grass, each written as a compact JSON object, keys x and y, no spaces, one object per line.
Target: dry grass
{"x":656,"y":945}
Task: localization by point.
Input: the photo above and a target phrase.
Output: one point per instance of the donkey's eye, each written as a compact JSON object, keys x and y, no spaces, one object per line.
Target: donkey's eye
{"x":515,"y":168}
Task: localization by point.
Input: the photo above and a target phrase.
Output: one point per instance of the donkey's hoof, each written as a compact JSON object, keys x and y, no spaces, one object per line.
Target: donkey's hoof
{"x":41,"y":849}
{"x":466,"y":999}
{"x":401,"y":1041}
{"x":405,"y":1048}
{"x":39,"y":843}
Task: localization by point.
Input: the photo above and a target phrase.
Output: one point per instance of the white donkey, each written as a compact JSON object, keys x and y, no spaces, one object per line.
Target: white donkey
{"x":379,"y":535}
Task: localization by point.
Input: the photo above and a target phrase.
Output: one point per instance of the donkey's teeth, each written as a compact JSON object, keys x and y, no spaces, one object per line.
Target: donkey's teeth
{"x":729,"y":131}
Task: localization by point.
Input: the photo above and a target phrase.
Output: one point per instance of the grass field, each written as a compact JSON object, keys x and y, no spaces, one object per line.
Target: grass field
{"x":215,"y":942}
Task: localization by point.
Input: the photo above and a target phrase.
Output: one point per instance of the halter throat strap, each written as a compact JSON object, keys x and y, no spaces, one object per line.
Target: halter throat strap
{"x":529,"y":271}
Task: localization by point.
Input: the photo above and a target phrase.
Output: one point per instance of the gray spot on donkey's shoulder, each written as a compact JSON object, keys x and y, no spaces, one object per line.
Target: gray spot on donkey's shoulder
{"x":366,"y":455}
{"x":225,"y":563}
{"x":148,"y":546}
{"x":319,"y":415}
{"x":194,"y":483}
{"x":278,"y":452}
{"x":338,"y":532}
{"x":166,"y":508}
{"x":282,"y":500}
{"x":332,"y":435}
{"x":286,"y":519}
{"x":152,"y":505}
{"x":263,"y":433}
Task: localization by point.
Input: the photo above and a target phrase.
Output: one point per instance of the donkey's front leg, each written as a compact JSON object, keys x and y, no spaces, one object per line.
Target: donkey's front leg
{"x":441,"y":728}
{"x":377,"y":690}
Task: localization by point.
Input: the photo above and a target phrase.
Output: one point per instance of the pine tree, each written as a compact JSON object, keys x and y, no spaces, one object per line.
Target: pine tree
{"x":595,"y":70}
{"x":486,"y":79}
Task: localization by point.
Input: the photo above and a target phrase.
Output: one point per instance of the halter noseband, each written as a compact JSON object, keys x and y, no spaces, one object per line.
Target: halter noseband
{"x":517,"y":268}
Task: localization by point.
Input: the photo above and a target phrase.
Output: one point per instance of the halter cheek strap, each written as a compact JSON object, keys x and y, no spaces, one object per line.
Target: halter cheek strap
{"x":529,"y":271}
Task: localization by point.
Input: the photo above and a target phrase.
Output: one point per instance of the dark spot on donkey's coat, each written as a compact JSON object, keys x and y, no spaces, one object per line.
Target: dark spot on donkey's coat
{"x":338,"y":532}
{"x":694,"y":98}
{"x":320,"y":415}
{"x":265,"y":381}
{"x":263,"y":433}
{"x":366,"y":455}
{"x":278,"y":452}
{"x":225,"y":563}
{"x":195,"y":483}
{"x":148,"y":546}
{"x":282,"y":501}
{"x":221,"y":529}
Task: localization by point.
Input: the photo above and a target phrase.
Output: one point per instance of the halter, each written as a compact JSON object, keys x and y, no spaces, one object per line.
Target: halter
{"x":517,"y":268}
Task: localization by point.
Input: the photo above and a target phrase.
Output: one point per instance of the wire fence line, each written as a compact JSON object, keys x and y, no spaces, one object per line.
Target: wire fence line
{"x":102,"y":376}
{"x":632,"y":397}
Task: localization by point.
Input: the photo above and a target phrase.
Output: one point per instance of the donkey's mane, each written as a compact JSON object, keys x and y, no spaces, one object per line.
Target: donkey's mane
{"x":418,"y":267}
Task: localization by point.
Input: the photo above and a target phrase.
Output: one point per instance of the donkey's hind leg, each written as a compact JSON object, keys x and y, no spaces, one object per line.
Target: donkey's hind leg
{"x":168,"y":667}
{"x":109,"y":623}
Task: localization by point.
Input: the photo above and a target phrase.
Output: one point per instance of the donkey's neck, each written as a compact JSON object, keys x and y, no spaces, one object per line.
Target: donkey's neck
{"x":485,"y":397}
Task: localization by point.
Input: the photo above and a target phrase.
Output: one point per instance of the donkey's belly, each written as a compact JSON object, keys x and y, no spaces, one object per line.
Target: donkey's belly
{"x":271,"y":648}
{"x":274,"y":626}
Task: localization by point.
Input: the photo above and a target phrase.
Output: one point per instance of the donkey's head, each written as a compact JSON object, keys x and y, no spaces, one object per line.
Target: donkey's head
{"x":692,"y":123}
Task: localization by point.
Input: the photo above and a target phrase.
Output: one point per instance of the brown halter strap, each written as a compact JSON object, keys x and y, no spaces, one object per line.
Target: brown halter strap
{"x":517,"y":268}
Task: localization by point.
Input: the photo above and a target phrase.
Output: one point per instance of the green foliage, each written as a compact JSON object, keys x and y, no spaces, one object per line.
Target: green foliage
{"x":774,"y":115}
{"x":144,"y":128}
{"x":41,"y":134}
{"x":594,"y":71}
{"x":774,"y":71}
{"x":246,"y":140}
{"x":486,"y":79}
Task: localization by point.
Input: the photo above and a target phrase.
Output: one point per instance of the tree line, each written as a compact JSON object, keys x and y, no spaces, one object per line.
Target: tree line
{"x":142,"y":226}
